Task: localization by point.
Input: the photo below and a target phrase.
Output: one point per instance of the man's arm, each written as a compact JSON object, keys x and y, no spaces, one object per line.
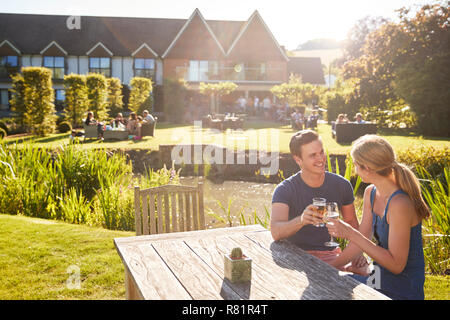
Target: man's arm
{"x":280,"y":225}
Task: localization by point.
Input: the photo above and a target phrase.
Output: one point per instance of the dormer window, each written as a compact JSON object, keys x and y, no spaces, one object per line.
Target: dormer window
{"x":100,"y":59}
{"x":100,"y":65}
{"x":144,"y":68}
{"x":9,"y":65}
{"x":56,"y":65}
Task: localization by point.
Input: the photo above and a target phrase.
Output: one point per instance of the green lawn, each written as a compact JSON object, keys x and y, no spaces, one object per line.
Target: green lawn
{"x":257,"y":135}
{"x":36,"y":255}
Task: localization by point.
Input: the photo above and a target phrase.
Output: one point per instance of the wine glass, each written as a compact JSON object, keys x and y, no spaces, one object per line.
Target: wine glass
{"x":320,"y":203}
{"x":332,"y":213}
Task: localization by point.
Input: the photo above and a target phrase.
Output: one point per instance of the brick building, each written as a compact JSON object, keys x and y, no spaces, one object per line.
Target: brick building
{"x":195,"y":49}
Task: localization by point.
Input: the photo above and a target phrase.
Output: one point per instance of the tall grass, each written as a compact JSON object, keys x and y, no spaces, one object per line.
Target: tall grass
{"x":93,"y":187}
{"x":436,"y":230}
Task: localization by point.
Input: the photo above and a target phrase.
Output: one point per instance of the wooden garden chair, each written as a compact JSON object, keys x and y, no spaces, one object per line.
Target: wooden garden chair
{"x":169,"y":208}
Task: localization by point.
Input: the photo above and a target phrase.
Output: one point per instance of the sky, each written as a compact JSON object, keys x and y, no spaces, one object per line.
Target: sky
{"x":292,"y":22}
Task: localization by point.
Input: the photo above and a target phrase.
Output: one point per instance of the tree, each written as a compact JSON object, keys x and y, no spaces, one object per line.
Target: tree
{"x":76,"y":98}
{"x":357,"y":36}
{"x":97,"y":92}
{"x":407,"y":61}
{"x":115,"y":97}
{"x":295,"y":92}
{"x":423,"y":66}
{"x":38,"y":113}
{"x":216,"y":91}
{"x":141,"y":89}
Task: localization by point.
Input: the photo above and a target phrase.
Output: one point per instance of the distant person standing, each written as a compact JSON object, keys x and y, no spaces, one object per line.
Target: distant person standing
{"x":256,"y":105}
{"x":242,"y":102}
{"x":267,"y":104}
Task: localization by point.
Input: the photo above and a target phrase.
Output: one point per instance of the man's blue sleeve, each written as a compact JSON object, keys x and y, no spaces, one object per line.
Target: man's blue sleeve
{"x":282,"y":194}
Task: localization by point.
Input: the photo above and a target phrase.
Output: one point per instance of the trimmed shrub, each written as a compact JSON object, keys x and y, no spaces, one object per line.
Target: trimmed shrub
{"x":37,"y":100}
{"x":141,"y":89}
{"x":174,"y":99}
{"x":97,"y":92}
{"x":64,"y":127}
{"x":76,"y":98}
{"x":115,"y":97}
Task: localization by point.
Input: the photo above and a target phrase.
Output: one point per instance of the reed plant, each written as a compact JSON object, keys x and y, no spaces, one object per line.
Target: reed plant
{"x":93,"y":187}
{"x":436,"y":229}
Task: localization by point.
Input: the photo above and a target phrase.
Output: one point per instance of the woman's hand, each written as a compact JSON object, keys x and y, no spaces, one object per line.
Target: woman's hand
{"x":340,"y":229}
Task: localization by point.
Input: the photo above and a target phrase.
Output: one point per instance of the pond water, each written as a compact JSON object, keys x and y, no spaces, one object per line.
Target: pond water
{"x":245,"y":197}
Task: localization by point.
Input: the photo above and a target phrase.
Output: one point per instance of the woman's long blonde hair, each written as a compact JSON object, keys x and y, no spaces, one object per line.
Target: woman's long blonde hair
{"x":376,"y":153}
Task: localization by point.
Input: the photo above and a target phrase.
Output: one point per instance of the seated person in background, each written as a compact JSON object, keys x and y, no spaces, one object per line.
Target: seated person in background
{"x":73,"y":136}
{"x":342,"y":118}
{"x":133,"y":126}
{"x":147,"y":118}
{"x":359,"y":118}
{"x":118,"y":122}
{"x":312,"y":120}
{"x":90,"y":121}
{"x":297,"y":119}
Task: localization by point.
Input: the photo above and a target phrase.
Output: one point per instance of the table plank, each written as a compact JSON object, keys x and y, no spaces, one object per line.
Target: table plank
{"x":320,"y":275}
{"x":196,"y":276}
{"x":269,"y":280}
{"x":150,"y":274}
{"x":186,"y":234}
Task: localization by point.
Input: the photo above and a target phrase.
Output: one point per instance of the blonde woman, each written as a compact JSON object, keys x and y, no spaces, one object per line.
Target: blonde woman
{"x":393,"y":211}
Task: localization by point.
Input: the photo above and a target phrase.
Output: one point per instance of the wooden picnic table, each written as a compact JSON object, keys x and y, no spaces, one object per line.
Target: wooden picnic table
{"x":189,"y":265}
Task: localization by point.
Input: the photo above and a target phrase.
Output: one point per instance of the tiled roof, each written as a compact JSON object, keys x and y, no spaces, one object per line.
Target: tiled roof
{"x":31,"y":33}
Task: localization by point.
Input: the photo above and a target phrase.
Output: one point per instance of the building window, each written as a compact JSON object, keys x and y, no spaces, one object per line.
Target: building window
{"x":249,"y":71}
{"x":56,"y":65}
{"x":144,"y":68}
{"x":5,"y":96}
{"x":100,"y":65}
{"x":202,"y":70}
{"x":60,"y":96}
{"x":9,"y":65}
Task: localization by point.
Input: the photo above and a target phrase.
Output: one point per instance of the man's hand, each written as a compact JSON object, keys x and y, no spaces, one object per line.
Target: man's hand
{"x":311,"y":216}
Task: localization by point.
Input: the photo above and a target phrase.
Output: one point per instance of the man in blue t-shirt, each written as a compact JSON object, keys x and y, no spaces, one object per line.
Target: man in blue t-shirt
{"x":293,"y":215}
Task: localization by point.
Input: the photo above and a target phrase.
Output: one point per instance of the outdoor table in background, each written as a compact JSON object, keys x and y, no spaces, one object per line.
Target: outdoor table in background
{"x":189,"y":265}
{"x":115,"y":135}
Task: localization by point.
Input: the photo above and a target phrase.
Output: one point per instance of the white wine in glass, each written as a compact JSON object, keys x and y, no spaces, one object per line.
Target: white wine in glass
{"x":332,"y":213}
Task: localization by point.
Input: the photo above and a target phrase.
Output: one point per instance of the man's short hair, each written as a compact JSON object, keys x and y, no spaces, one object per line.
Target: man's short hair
{"x":301,"y":138}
